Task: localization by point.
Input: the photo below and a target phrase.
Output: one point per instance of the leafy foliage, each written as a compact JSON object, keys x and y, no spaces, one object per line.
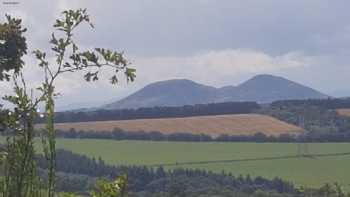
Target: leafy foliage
{"x":19,"y":166}
{"x":111,"y":189}
{"x":70,"y":58}
{"x":12,"y":47}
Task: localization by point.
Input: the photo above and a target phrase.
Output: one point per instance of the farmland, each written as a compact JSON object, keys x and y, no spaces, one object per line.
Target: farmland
{"x":344,"y":112}
{"x":242,"y":124}
{"x":300,"y":171}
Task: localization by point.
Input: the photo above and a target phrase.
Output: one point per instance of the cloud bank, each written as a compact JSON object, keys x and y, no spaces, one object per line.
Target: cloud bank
{"x":213,"y":43}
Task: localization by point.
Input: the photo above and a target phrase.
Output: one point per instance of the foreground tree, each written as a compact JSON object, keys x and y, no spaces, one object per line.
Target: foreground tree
{"x":19,"y":164}
{"x":12,"y":47}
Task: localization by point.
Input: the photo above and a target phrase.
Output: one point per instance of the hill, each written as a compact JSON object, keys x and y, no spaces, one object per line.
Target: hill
{"x":269,"y":88}
{"x":243,"y":124}
{"x":179,"y":92}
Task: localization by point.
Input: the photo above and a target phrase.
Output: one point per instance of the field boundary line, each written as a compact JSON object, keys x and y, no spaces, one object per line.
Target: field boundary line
{"x":311,"y":156}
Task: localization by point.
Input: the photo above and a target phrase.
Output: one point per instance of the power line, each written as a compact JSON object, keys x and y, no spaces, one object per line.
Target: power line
{"x":313,"y":156}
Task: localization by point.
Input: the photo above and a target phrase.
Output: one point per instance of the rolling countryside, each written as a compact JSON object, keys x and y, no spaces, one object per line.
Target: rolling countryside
{"x":193,"y":98}
{"x":299,"y":170}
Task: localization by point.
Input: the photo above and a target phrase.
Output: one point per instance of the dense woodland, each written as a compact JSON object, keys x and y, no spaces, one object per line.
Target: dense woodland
{"x":318,"y":117}
{"x":157,"y":112}
{"x":118,"y":134}
{"x":330,"y":103}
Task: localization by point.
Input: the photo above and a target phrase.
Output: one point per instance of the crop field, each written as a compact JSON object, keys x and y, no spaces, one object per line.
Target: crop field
{"x":344,"y":112}
{"x":237,"y":158}
{"x":242,"y":124}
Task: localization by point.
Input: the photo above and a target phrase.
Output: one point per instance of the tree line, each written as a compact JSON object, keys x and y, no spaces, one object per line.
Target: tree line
{"x":157,"y":112}
{"x":330,"y":103}
{"x":119,"y":134}
{"x":315,"y":119}
{"x":194,"y":110}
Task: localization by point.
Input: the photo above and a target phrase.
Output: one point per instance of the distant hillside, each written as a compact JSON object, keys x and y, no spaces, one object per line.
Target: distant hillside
{"x":268,"y":88}
{"x":179,"y":92}
{"x":176,"y":92}
{"x":242,"y":124}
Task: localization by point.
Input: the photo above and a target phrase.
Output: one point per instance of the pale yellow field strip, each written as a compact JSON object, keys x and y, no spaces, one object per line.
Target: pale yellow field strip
{"x":344,"y":112}
{"x":240,"y":124}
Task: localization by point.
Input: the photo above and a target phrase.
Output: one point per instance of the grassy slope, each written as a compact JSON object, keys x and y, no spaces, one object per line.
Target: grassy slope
{"x":302,"y":171}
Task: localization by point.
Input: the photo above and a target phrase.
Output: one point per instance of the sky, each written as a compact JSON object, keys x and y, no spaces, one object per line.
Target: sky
{"x":214,"y":42}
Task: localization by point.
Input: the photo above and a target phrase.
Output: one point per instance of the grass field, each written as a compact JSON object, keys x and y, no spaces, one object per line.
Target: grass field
{"x":301,"y":171}
{"x":242,"y":124}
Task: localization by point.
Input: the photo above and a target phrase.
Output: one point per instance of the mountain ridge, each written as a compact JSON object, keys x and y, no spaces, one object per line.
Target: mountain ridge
{"x":178,"y":92}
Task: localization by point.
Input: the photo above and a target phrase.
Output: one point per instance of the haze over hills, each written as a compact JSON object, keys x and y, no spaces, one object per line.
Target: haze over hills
{"x":179,"y":92}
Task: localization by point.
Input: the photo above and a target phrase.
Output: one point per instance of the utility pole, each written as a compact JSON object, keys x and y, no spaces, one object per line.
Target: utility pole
{"x":303,"y":147}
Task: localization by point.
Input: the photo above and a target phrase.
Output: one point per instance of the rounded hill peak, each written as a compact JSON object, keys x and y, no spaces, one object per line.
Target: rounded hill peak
{"x":267,"y":77}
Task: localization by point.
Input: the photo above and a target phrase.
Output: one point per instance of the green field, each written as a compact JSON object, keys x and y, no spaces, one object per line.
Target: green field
{"x":311,"y":172}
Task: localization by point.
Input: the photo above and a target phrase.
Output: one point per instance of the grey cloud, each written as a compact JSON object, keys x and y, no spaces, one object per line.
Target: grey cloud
{"x":316,"y":32}
{"x":186,"y":26}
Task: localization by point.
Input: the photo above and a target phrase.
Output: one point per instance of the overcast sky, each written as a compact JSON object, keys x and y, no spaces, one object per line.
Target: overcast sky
{"x":214,"y":42}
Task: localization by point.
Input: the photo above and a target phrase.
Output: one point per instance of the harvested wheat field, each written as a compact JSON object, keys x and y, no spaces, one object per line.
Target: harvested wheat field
{"x":242,"y":124}
{"x":344,"y":112}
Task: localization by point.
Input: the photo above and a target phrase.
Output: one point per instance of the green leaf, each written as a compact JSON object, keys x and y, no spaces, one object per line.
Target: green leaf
{"x":130,"y":74}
